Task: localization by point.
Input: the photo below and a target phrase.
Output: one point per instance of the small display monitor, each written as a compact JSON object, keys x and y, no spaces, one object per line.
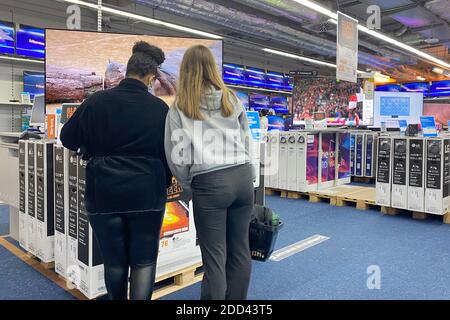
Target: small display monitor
{"x":7,"y":37}
{"x":33,"y":83}
{"x":30,"y":42}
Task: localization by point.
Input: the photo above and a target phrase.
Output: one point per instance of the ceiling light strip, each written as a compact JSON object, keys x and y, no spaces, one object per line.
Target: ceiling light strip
{"x":137,"y":17}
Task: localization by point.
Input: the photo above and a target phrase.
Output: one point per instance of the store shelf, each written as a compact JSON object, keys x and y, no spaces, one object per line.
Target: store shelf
{"x":9,"y":145}
{"x":15,"y":104}
{"x":10,"y":59}
{"x":259,"y":89}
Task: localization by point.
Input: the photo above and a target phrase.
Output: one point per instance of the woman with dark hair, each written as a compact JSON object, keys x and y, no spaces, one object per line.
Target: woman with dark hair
{"x":121,"y":132}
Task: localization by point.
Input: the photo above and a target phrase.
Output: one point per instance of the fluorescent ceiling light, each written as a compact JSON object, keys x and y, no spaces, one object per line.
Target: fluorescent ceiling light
{"x":333,"y":15}
{"x":438,"y":70}
{"x":294,"y":56}
{"x":137,"y":17}
{"x":21,"y":59}
{"x":420,"y":78}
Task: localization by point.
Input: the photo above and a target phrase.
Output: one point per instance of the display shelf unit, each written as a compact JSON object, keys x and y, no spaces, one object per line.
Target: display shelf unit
{"x":14,"y":59}
{"x":288,"y":93}
{"x":11,"y":116}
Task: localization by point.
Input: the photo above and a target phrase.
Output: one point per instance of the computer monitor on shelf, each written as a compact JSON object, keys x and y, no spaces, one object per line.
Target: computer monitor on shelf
{"x":38,"y":111}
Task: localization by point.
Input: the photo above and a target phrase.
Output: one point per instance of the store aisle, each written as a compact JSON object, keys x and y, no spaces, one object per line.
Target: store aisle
{"x":19,"y":281}
{"x":412,"y":255}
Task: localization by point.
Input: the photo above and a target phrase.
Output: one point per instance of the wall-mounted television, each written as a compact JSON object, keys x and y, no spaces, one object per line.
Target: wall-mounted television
{"x":279,"y":104}
{"x":233,"y":74}
{"x":259,"y":101}
{"x":389,"y":88}
{"x":421,"y":87}
{"x":275,"y":123}
{"x":274,"y":80}
{"x":288,"y":83}
{"x":7,"y":37}
{"x":30,"y":42}
{"x":440,"y":88}
{"x":255,"y":77}
{"x":243,"y":97}
{"x":33,"y":83}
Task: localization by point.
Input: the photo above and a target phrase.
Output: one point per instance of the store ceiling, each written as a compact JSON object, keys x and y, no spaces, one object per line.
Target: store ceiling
{"x":287,"y":25}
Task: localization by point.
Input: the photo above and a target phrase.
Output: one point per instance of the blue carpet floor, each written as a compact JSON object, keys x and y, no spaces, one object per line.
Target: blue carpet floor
{"x":413,"y":257}
{"x":4,"y":220}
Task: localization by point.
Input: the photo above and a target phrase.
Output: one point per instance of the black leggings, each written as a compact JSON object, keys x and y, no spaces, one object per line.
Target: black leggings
{"x":129,"y":240}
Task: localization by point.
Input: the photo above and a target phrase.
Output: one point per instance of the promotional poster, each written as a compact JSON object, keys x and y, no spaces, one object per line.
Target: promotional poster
{"x":73,"y":72}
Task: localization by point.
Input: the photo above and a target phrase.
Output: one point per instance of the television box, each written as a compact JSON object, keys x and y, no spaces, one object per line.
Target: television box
{"x":370,"y":152}
{"x":327,"y":156}
{"x":61,"y":205}
{"x":343,"y":174}
{"x":292,"y":159}
{"x":384,"y":169}
{"x":30,"y":42}
{"x":23,"y":194}
{"x":273,"y":163}
{"x":352,"y":152}
{"x":359,"y":154}
{"x":283,"y":162}
{"x":72,"y":235}
{"x":416,"y":174}
{"x":31,"y":219}
{"x":400,"y":174}
{"x":307,"y":161}
{"x":437,"y":200}
{"x":44,"y":202}
{"x":92,"y":277}
{"x":7,"y":37}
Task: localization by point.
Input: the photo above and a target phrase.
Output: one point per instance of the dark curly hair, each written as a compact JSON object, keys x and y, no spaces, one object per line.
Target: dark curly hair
{"x":145,"y":60}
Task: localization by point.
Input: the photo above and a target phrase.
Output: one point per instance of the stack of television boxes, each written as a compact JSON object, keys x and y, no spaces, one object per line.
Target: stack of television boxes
{"x":295,"y":160}
{"x":36,"y":218}
{"x":53,"y":224}
{"x":363,"y":153}
{"x":413,"y":173}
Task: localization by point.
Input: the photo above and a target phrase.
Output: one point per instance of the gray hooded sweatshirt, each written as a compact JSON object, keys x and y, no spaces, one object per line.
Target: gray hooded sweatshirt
{"x":196,"y":147}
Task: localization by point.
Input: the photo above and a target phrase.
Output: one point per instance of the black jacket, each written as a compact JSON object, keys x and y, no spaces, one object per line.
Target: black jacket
{"x":122,"y":132}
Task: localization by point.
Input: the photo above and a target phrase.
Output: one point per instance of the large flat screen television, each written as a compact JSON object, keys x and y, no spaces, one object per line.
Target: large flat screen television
{"x":33,"y":83}
{"x":233,"y":74}
{"x":389,"y":88}
{"x":80,"y":63}
{"x":259,"y":101}
{"x":30,"y":42}
{"x":279,"y":104}
{"x":288,"y":84}
{"x":440,"y":88}
{"x":274,"y":80}
{"x":7,"y":37}
{"x":420,"y":87}
{"x":255,"y":77}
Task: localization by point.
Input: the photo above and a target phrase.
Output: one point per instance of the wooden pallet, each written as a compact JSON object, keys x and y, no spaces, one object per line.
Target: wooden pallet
{"x":331,"y":194}
{"x":286,"y":193}
{"x":415,"y":214}
{"x":363,"y":198}
{"x":36,"y":260}
{"x":177,"y":280}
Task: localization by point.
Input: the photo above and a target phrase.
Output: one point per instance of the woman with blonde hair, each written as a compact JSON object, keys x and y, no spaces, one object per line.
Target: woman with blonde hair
{"x":207,"y":147}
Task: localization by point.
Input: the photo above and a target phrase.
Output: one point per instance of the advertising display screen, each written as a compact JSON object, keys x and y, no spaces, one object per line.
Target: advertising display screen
{"x":389,"y":88}
{"x":441,"y":111}
{"x":279,"y":104}
{"x":33,"y":83}
{"x":255,"y":77}
{"x":259,"y":102}
{"x":73,"y":72}
{"x":274,"y":80}
{"x":440,"y":88}
{"x":30,"y":42}
{"x":233,"y":74}
{"x":421,"y":87}
{"x":340,"y":101}
{"x":395,"y":106}
{"x":7,"y":36}
{"x":243,"y":98}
